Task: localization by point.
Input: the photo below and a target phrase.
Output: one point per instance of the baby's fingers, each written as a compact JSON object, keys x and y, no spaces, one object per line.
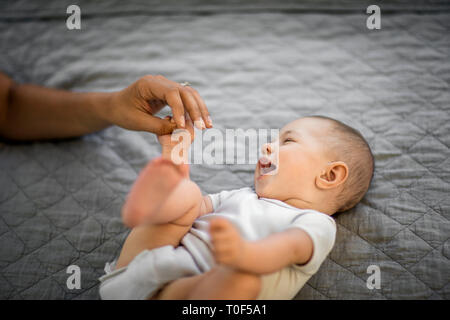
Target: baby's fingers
{"x":225,"y":253}
{"x":218,"y":225}
{"x":219,"y":242}
{"x":221,"y":250}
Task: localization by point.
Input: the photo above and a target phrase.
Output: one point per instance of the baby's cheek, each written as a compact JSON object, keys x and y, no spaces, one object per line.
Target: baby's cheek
{"x":288,"y":162}
{"x":294,"y":169}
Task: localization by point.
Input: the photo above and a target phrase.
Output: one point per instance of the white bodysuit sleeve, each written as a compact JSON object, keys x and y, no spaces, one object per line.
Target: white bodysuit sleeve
{"x":218,"y":198}
{"x":322,"y":230}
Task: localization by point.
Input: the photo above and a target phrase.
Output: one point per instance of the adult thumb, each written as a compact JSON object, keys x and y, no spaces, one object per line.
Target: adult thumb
{"x":159,"y":126}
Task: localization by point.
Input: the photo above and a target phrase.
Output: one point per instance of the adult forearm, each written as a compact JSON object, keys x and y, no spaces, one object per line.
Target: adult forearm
{"x":34,"y":112}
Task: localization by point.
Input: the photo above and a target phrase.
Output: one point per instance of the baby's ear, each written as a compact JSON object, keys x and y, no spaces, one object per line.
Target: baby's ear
{"x":335,"y":174}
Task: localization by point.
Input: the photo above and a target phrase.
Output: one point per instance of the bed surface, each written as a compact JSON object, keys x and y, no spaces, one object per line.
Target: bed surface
{"x":60,"y":201}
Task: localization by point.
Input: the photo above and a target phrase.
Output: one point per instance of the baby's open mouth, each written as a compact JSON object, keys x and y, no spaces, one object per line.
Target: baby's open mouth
{"x":266,"y":166}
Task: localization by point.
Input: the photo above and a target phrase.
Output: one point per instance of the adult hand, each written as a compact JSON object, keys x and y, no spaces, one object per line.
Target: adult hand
{"x":134,"y":107}
{"x":166,"y":140}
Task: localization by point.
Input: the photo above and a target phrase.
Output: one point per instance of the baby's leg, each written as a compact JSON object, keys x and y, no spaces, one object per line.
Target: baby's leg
{"x":178,"y":207}
{"x":220,"y":283}
{"x":156,"y":195}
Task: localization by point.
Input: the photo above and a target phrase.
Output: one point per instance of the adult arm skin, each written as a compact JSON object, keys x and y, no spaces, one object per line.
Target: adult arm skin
{"x":31,"y":112}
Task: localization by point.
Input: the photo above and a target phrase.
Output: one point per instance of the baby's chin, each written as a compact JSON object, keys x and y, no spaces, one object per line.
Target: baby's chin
{"x":264,"y":186}
{"x":263,"y":191}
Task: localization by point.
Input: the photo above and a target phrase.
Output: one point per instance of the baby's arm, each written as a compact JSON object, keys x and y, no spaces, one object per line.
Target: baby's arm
{"x":279,"y":250}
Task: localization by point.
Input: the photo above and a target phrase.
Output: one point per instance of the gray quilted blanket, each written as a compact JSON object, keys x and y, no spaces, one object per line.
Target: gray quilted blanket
{"x":258,"y":65}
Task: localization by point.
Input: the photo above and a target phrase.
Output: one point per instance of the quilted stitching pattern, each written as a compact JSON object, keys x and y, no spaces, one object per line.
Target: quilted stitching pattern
{"x":60,"y":202}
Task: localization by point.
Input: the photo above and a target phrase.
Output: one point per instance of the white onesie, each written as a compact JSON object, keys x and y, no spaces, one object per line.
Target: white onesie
{"x":255,"y":218}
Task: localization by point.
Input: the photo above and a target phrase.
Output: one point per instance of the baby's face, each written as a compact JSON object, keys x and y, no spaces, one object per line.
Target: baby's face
{"x":296,"y":159}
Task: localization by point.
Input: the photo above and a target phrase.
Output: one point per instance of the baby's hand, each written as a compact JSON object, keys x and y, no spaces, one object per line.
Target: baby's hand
{"x":228,"y":245}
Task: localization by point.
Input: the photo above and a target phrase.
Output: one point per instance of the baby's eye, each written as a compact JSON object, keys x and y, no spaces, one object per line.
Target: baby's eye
{"x":288,"y":140}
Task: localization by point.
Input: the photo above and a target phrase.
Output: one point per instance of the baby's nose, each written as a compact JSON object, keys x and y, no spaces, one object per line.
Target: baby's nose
{"x":267,"y":149}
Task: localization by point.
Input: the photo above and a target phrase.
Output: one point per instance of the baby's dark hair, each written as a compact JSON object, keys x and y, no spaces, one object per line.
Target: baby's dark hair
{"x":350,"y":147}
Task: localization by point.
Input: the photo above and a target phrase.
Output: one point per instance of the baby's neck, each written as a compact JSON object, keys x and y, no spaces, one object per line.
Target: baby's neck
{"x":302,"y":204}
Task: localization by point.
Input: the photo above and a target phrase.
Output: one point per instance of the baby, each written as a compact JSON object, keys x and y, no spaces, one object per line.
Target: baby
{"x":261,"y":243}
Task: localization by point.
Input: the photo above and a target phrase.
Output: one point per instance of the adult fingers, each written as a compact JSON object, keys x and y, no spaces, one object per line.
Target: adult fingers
{"x":203,"y":109}
{"x":175,"y":102}
{"x":158,"y":87}
{"x":191,"y":106}
{"x":190,"y":126}
{"x":179,"y":98}
{"x":146,"y":122}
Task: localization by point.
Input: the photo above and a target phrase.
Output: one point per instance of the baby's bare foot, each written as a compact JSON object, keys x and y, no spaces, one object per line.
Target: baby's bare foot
{"x":151,"y":189}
